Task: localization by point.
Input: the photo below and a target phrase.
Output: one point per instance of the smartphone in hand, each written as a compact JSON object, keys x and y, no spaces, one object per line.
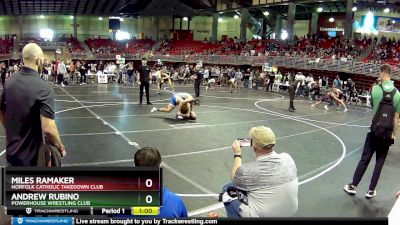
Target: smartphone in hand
{"x":245,"y":142}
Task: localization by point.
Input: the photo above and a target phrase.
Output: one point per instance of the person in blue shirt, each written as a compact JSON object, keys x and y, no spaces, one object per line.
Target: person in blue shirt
{"x":172,"y":204}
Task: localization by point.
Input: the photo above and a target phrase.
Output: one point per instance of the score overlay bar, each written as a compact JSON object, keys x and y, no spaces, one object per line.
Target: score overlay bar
{"x":85,"y":188}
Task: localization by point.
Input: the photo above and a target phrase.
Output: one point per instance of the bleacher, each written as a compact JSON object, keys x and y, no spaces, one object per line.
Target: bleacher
{"x":108,"y":46}
{"x":6,"y":46}
{"x":74,"y":45}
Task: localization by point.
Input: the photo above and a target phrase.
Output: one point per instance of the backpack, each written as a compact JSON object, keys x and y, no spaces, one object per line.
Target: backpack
{"x":382,"y":123}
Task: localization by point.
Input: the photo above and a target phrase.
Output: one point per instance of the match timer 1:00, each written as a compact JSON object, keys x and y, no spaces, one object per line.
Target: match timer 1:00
{"x":145,"y":211}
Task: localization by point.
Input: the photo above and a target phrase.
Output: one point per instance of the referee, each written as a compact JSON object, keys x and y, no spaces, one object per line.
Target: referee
{"x":144,"y":80}
{"x":294,"y":86}
{"x":198,"y":76}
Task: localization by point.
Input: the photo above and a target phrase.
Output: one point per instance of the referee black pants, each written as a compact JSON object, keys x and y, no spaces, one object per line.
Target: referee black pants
{"x":197,"y":87}
{"x":292,"y":93}
{"x":3,"y":79}
{"x":372,"y":145}
{"x":144,"y":85}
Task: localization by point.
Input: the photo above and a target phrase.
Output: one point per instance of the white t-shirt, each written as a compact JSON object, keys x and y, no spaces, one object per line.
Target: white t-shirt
{"x":205,"y":73}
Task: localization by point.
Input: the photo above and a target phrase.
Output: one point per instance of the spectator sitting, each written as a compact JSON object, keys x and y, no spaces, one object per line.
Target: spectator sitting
{"x":172,"y":205}
{"x":269,"y":184}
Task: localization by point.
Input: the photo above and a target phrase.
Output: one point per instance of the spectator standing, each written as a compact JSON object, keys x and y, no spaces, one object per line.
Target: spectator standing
{"x":271,"y":80}
{"x":374,"y":143}
{"x":27,"y":112}
{"x":72,"y":69}
{"x":61,"y":71}
{"x":206,"y":75}
{"x":82,"y":70}
{"x":3,"y":71}
{"x":337,"y":83}
{"x":246,"y":79}
{"x":129,"y":72}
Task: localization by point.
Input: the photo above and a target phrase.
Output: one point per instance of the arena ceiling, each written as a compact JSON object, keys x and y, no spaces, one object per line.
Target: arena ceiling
{"x":135,"y":8}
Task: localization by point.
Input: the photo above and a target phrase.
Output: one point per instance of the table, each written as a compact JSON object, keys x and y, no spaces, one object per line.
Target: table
{"x":367,"y":99}
{"x":102,"y":78}
{"x":276,"y":86}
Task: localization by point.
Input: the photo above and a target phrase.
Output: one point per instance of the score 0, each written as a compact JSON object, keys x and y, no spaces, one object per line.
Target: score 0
{"x":149,"y":185}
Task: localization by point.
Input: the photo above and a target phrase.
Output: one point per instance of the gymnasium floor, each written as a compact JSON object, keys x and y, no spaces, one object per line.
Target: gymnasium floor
{"x":102,"y":125}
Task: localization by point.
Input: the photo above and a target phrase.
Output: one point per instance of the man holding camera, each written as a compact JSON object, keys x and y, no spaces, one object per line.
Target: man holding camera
{"x":267,"y":187}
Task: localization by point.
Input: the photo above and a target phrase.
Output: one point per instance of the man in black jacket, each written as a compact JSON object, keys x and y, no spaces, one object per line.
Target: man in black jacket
{"x":144,"y":80}
{"x":198,"y":76}
{"x":294,"y":86}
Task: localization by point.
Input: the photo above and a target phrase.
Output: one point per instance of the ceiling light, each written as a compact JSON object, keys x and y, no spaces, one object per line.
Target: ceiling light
{"x":387,"y":10}
{"x":220,"y":19}
{"x":185,"y":18}
{"x":354,"y":9}
{"x":331,"y":19}
{"x":236,"y":17}
{"x":320,"y":9}
{"x":100,"y":18}
{"x":266,"y":13}
{"x":41,"y":16}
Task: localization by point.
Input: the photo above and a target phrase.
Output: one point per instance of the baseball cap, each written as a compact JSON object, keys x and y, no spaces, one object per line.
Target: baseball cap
{"x":262,"y":136}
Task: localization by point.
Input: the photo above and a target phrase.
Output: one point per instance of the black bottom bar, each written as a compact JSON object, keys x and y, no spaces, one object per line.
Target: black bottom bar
{"x":268,"y":221}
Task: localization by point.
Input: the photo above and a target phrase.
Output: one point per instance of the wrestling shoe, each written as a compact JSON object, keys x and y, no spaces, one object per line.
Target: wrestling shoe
{"x":149,"y":103}
{"x":179,"y":117}
{"x":370,"y":194}
{"x":153,"y":110}
{"x":313,"y":106}
{"x":326,"y":107}
{"x":350,"y":189}
{"x":345,"y":110}
{"x":291,"y":110}
{"x":206,"y":88}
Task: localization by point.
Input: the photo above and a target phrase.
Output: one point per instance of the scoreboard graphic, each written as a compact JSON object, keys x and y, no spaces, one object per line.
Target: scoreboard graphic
{"x":82,"y":191}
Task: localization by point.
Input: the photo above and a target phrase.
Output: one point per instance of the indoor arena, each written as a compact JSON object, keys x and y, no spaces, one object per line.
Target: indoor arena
{"x":251,"y":108}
